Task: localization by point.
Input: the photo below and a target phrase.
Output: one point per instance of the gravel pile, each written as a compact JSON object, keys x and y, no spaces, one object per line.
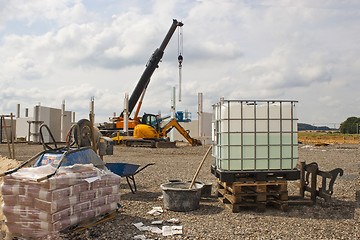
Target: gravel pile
{"x":338,"y":219}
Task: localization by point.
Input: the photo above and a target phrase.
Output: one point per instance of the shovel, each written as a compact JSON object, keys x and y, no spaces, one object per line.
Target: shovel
{"x":198,"y":170}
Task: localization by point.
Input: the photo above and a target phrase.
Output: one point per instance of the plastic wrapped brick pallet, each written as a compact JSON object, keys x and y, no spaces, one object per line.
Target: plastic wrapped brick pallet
{"x":75,"y":194}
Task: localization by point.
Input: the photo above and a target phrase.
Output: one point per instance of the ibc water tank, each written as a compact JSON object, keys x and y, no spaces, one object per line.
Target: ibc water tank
{"x":255,"y":135}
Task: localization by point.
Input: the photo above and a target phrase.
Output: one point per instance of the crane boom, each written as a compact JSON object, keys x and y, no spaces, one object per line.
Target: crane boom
{"x":150,"y":67}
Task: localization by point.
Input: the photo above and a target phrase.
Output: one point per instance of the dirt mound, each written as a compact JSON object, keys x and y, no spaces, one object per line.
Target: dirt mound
{"x":6,"y":164}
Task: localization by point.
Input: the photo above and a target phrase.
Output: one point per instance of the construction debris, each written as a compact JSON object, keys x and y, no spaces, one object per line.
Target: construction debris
{"x":142,"y":237}
{"x":154,"y":229}
{"x":157,"y":222}
{"x":156,"y":211}
{"x":165,"y":231}
{"x":141,"y":226}
{"x":174,"y":221}
{"x":172,"y":230}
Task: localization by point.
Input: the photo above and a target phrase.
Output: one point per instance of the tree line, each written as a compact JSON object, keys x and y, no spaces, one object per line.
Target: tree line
{"x":308,"y":127}
{"x":350,"y":126}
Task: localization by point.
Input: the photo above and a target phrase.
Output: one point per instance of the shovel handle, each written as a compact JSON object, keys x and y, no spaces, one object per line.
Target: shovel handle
{"x":44,"y":178}
{"x":198,"y":170}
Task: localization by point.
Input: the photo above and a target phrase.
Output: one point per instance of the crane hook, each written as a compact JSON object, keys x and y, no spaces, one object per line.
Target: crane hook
{"x":180,"y":60}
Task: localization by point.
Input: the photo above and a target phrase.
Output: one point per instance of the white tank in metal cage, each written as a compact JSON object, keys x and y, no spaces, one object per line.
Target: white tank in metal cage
{"x":252,"y":135}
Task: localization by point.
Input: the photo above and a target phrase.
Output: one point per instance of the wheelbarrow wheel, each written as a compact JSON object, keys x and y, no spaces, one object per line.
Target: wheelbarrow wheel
{"x":85,"y":132}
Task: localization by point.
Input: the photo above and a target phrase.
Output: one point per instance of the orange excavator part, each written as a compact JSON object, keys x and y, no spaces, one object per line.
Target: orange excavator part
{"x":131,"y":123}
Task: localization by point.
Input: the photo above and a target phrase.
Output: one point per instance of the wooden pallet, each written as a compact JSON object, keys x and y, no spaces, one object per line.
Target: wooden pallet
{"x":257,"y":195}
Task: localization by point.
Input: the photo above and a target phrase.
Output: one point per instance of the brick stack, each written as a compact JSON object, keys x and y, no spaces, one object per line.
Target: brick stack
{"x":75,"y":194}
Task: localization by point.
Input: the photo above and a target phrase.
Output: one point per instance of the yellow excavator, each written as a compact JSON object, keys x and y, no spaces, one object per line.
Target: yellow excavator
{"x":149,"y":133}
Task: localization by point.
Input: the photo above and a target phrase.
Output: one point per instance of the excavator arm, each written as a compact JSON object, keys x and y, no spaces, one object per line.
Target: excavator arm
{"x":174,"y":124}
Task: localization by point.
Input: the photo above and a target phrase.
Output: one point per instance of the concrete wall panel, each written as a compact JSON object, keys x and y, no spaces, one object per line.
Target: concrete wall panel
{"x":49,"y":116}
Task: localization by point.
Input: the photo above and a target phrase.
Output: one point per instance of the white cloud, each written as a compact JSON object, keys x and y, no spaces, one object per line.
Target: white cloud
{"x":70,"y":49}
{"x":62,"y":11}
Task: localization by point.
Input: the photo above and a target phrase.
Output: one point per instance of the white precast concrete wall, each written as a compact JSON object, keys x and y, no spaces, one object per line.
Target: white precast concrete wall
{"x":67,"y":123}
{"x":22,"y":127}
{"x":49,"y":116}
{"x":193,"y":126}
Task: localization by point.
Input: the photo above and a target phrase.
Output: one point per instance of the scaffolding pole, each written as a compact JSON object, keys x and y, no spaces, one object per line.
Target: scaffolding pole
{"x":4,"y":126}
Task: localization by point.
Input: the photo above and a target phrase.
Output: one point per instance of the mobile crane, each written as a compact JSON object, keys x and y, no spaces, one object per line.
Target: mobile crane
{"x":145,"y":134}
{"x":117,"y":123}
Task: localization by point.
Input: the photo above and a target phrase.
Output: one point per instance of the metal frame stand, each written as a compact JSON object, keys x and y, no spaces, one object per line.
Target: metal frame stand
{"x":308,"y":181}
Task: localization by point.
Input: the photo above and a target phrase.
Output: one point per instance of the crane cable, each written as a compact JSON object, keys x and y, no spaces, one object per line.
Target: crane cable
{"x":180,"y":57}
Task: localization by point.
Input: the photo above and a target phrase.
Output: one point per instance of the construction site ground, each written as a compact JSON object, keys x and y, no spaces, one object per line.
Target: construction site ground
{"x":338,"y":219}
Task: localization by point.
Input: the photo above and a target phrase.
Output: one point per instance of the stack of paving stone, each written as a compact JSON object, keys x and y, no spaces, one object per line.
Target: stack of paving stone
{"x":74,"y":195}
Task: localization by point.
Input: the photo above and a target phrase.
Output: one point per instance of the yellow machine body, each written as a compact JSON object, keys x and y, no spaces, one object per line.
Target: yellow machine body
{"x":145,"y":131}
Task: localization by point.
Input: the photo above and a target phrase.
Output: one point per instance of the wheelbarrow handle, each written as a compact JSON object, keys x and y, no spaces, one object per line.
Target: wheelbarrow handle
{"x":22,"y":165}
{"x":143,"y":168}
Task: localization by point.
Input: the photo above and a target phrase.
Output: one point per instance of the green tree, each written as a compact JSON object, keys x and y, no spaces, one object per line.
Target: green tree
{"x":350,"y":126}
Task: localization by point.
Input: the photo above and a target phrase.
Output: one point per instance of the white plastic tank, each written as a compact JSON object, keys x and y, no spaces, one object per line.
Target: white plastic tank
{"x":255,"y":135}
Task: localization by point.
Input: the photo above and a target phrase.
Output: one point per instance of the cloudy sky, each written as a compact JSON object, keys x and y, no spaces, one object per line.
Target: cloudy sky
{"x":73,"y":50}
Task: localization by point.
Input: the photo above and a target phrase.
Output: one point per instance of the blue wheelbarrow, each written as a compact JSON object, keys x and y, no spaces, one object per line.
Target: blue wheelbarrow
{"x":127,"y":170}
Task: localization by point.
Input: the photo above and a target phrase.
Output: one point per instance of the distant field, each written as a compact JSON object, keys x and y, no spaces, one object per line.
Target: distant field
{"x":327,"y":137}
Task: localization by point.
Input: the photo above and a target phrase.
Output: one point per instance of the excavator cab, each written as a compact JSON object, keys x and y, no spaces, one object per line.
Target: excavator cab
{"x":151,"y":120}
{"x":149,"y":128}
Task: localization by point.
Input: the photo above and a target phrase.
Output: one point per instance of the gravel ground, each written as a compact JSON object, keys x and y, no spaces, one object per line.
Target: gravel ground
{"x":338,"y":219}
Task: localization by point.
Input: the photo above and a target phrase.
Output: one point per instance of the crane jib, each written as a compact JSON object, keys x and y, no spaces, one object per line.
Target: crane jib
{"x":150,"y":67}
